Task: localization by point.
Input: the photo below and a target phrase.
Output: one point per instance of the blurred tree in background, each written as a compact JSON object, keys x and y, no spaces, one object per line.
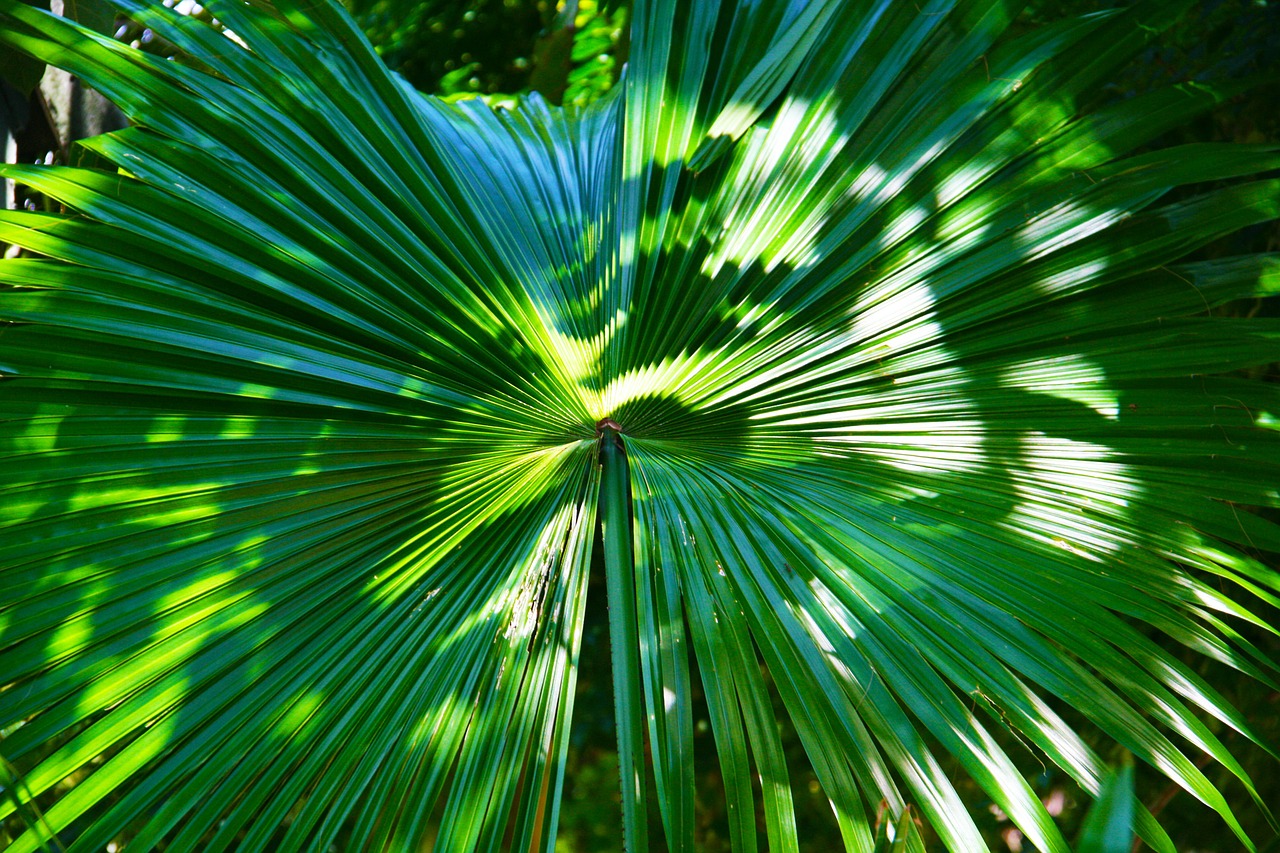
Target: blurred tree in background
{"x":569,"y":52}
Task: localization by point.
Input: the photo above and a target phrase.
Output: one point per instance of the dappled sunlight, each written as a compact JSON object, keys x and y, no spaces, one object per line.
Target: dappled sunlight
{"x":941,"y":447}
{"x":1073,"y":279}
{"x":1070,"y":493}
{"x":35,"y":437}
{"x":1014,"y":441}
{"x":1061,"y":226}
{"x":299,"y":711}
{"x":235,"y":587}
{"x":524,"y":598}
{"x":74,"y":633}
{"x":775,"y":164}
{"x":1069,"y":377}
{"x":675,"y":378}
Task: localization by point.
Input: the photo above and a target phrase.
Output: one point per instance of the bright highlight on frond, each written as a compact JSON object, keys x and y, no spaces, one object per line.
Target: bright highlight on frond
{"x":865,"y":351}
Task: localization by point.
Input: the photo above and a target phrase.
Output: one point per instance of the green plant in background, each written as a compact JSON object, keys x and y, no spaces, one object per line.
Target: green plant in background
{"x":598,"y":53}
{"x":570,"y":52}
{"x":868,"y":355}
{"x":1108,"y":828}
{"x":443,"y":45}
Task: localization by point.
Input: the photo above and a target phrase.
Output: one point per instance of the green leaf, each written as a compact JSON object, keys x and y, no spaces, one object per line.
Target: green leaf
{"x":624,"y":636}
{"x":21,"y":71}
{"x":96,"y":15}
{"x":795,"y":38}
{"x":897,"y":836}
{"x":879,"y":362}
{"x":1108,"y":828}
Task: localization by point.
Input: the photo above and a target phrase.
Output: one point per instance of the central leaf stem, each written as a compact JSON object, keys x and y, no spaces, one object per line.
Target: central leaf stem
{"x":620,"y":580}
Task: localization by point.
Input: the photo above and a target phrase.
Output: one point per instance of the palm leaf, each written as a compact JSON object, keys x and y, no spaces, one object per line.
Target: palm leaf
{"x":923,"y":429}
{"x":1108,"y":828}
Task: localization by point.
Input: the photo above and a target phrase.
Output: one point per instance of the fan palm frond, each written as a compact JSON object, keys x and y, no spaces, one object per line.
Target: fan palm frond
{"x":869,"y":350}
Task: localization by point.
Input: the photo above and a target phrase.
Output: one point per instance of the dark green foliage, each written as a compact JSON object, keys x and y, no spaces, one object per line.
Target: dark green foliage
{"x":568,"y":52}
{"x":448,"y":46}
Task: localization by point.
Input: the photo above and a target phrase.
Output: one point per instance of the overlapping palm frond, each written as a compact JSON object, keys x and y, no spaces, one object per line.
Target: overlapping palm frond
{"x":923,"y":429}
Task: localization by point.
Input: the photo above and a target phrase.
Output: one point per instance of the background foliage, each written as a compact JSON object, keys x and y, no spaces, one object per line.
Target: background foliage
{"x":570,"y":52}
